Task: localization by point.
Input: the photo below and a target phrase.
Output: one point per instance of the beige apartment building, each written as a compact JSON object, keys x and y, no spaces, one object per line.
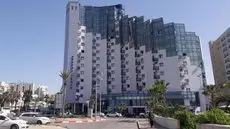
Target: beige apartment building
{"x":220,"y":57}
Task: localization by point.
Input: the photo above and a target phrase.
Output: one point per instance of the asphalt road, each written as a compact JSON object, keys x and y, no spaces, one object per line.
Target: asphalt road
{"x":121,"y":123}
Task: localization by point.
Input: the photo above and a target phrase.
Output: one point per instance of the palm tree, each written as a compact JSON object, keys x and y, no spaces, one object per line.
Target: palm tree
{"x":121,"y":107}
{"x":4,"y":98}
{"x":15,"y":96}
{"x":27,"y":97}
{"x":46,"y":98}
{"x":158,"y":91}
{"x":212,"y":91}
{"x":36,"y":100}
{"x":64,"y":75}
{"x":157,"y":95}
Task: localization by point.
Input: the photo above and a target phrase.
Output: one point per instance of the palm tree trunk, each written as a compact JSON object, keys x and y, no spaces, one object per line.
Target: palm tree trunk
{"x":63,"y":99}
{"x":35,"y":104}
{"x":15,"y":105}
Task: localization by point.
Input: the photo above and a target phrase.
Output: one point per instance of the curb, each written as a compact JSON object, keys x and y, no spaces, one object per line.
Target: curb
{"x":78,"y":121}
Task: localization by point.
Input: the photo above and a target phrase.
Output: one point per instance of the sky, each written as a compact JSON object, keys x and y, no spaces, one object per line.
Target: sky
{"x":32,"y":32}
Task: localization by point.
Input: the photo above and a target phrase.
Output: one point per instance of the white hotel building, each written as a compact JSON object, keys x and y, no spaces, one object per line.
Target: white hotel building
{"x":126,"y":55}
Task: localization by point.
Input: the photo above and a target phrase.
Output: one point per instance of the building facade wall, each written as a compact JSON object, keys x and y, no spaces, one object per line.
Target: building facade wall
{"x":130,"y":52}
{"x":219,"y":51}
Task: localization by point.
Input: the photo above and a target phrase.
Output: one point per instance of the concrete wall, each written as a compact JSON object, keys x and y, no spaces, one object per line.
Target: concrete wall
{"x":212,"y":126}
{"x":168,"y":123}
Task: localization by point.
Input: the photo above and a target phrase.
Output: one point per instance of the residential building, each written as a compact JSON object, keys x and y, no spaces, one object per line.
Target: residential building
{"x":219,"y":51}
{"x":3,"y":87}
{"x":58,"y":101}
{"x":121,"y":55}
{"x":38,"y":91}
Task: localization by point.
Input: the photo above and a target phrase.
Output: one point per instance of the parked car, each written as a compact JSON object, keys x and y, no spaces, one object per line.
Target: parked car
{"x":34,"y":118}
{"x":101,"y":114}
{"x":116,"y":114}
{"x":142,"y":115}
{"x":8,"y":123}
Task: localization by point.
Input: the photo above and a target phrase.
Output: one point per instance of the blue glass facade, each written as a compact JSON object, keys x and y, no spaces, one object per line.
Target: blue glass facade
{"x":140,"y":99}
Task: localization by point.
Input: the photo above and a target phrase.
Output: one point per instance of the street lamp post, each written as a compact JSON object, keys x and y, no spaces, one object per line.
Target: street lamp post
{"x":99,"y":96}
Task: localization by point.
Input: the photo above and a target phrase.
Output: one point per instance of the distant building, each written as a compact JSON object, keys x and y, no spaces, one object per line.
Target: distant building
{"x":38,"y":91}
{"x":3,"y":87}
{"x":58,"y":101}
{"x":220,"y":56}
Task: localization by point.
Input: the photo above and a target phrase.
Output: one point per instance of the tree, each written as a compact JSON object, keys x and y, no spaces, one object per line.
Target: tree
{"x":64,"y":75}
{"x":157,"y":98}
{"x":36,"y":100}
{"x":27,"y":97}
{"x":121,"y":108}
{"x":212,"y":91}
{"x":4,"y":98}
{"x":223,"y":99}
{"x":14,"y":97}
{"x":92,"y":101}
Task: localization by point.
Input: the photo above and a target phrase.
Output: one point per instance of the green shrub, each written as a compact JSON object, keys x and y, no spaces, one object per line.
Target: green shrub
{"x":187,"y":119}
{"x":214,"y":116}
{"x":202,"y":118}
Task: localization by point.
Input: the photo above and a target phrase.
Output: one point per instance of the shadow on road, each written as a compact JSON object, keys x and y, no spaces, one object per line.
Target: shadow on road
{"x":127,"y":121}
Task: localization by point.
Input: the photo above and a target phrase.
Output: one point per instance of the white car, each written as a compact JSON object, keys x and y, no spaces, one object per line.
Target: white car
{"x":34,"y":118}
{"x":114,"y":114}
{"x":8,"y":123}
{"x":101,"y":114}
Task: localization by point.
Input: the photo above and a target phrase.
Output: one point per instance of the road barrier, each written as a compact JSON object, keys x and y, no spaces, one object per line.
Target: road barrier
{"x":168,"y":123}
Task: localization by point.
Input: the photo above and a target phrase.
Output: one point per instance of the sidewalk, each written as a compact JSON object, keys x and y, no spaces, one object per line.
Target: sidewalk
{"x":76,"y":120}
{"x":45,"y":127}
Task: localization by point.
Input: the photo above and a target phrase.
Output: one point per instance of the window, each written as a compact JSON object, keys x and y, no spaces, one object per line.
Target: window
{"x":97,"y":44}
{"x":26,"y":115}
{"x":98,"y":51}
{"x":82,"y":87}
{"x":98,"y":58}
{"x":2,"y":117}
{"x":82,"y":65}
{"x":82,"y":80}
{"x":83,"y":37}
{"x":185,"y":71}
{"x":160,"y":56}
{"x":82,"y":44}
{"x":82,"y":58}
{"x":142,"y":52}
{"x":162,"y":73}
{"x":126,"y":48}
{"x":82,"y":51}
{"x":81,"y":95}
{"x":82,"y":72}
{"x":161,"y":64}
{"x":97,"y":38}
{"x":113,"y":86}
{"x":97,"y":65}
{"x":128,"y":85}
{"x":77,"y":90}
{"x":184,"y":62}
